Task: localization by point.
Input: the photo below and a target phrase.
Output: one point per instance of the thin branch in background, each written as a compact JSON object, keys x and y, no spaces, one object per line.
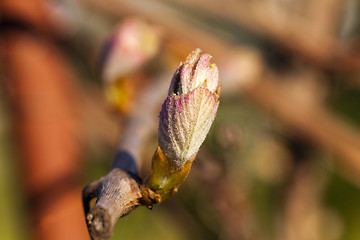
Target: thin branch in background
{"x":304,"y":215}
{"x":290,"y":33}
{"x":300,"y":119}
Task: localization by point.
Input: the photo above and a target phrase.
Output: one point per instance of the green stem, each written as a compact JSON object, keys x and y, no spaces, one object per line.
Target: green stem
{"x":164,"y":179}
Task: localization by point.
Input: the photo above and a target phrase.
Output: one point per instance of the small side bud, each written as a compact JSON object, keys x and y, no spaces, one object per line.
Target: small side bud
{"x":132,"y":45}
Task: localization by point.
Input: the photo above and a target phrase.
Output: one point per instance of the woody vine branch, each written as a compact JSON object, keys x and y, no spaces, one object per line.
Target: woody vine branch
{"x":185,"y":120}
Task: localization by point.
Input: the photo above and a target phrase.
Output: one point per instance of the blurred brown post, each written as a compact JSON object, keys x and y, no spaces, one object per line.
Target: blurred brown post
{"x":42,"y":95}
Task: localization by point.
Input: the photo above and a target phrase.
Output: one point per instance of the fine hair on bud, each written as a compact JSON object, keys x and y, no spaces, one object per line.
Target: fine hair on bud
{"x":190,"y":108}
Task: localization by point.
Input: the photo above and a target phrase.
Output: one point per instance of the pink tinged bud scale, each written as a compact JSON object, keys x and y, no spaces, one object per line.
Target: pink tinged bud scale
{"x":190,"y":108}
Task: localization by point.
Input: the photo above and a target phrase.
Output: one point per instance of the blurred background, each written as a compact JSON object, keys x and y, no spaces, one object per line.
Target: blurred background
{"x":282,"y":159}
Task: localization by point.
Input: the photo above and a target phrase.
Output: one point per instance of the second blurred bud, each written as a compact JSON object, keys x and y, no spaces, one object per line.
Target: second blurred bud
{"x":131,"y":46}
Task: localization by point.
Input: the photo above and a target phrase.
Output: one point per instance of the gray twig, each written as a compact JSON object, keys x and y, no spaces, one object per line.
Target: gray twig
{"x":119,"y":192}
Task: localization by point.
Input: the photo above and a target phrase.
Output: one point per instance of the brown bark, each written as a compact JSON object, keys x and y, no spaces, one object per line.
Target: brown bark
{"x":120,"y":191}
